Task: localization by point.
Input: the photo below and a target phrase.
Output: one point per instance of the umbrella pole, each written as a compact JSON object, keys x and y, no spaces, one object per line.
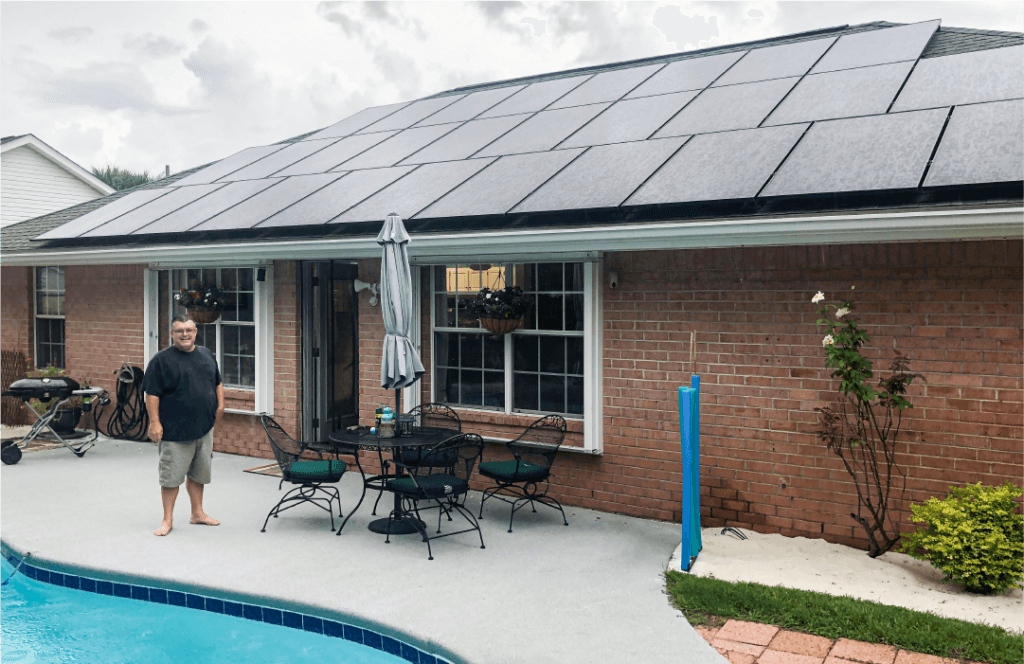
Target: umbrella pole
{"x":398,"y":402}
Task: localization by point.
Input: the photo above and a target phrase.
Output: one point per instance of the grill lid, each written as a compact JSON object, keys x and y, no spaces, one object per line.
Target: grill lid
{"x":43,"y":389}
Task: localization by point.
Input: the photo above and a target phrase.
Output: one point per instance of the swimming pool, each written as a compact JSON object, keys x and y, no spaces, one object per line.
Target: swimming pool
{"x":53,"y":617}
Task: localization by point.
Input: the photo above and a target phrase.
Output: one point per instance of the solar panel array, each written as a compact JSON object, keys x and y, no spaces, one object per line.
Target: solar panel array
{"x":859,"y":112}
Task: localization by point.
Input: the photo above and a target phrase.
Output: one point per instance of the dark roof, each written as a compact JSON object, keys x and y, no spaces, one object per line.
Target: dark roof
{"x":952,"y":41}
{"x":773,"y":195}
{"x":17,"y":237}
{"x":8,"y":139}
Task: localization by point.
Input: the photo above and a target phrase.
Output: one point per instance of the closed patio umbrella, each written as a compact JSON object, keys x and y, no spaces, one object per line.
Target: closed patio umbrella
{"x":400,"y":365}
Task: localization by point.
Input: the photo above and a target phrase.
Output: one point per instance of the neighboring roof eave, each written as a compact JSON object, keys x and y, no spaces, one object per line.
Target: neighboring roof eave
{"x":892,"y":226}
{"x":34,"y":143}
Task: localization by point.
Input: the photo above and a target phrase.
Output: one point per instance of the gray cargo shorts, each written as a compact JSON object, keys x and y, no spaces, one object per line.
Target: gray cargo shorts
{"x":190,"y":457}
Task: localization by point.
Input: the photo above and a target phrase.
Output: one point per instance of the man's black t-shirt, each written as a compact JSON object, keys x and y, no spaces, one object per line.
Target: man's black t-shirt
{"x":186,"y":384}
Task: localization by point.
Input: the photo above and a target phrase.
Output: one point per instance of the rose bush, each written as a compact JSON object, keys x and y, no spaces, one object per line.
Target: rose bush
{"x":862,"y":428}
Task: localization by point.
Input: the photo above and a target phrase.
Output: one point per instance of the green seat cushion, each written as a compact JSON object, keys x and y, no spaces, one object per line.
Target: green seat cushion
{"x":436,"y":485}
{"x":316,"y":471}
{"x":506,"y":471}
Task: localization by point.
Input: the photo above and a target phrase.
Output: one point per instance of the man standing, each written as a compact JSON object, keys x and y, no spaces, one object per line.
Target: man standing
{"x":184,"y":398}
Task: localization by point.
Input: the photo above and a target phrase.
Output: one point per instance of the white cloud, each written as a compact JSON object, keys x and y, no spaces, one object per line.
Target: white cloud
{"x":687,"y":31}
{"x":152,"y":46}
{"x":107,"y":86}
{"x":70,"y":35}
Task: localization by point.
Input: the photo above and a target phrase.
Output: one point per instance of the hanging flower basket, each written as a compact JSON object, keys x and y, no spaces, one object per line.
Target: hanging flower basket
{"x":203,"y":317}
{"x":500,"y":326}
{"x":203,"y":302}
{"x":500,"y":311}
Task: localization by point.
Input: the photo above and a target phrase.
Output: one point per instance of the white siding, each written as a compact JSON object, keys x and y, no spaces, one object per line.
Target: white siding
{"x":32,"y":185}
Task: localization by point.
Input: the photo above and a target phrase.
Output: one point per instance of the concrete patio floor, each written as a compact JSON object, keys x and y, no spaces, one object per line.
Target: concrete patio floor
{"x":591,"y":592}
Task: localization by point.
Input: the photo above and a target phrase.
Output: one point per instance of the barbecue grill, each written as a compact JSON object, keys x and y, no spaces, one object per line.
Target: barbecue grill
{"x":57,"y":391}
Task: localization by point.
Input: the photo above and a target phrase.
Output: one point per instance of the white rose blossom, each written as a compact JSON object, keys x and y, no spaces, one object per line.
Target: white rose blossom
{"x":828,"y":340}
{"x":820,"y":297}
{"x":842,"y":312}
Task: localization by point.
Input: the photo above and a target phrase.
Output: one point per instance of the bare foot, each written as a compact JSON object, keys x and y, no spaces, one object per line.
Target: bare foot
{"x":204,"y":519}
{"x":165,"y":527}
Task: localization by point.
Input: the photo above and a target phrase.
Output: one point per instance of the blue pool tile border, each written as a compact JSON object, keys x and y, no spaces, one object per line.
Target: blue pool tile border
{"x":247,"y":611}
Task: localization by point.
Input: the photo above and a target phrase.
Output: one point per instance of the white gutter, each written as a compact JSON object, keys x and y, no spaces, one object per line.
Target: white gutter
{"x":975,"y":224}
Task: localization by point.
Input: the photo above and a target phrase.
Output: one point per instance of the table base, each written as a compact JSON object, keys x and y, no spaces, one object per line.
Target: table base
{"x":403,"y":526}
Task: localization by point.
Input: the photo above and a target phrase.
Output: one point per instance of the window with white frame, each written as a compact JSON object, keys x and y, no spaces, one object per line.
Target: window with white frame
{"x":539,"y":368}
{"x":232,"y":338}
{"x":49,"y":316}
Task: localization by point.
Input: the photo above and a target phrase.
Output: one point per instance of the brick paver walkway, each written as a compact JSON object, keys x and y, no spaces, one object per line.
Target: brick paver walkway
{"x":749,"y":643}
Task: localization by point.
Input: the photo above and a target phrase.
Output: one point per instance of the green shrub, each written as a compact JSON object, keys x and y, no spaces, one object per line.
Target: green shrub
{"x":974,"y":536}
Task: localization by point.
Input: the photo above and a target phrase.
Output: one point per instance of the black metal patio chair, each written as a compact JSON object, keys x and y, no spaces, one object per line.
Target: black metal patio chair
{"x":529,"y":469}
{"x":441,"y":476}
{"x":309,"y":475}
{"x":437,"y":415}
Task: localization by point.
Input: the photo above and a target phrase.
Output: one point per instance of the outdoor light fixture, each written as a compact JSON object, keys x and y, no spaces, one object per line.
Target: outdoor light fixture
{"x":374,"y":289}
{"x":261,"y":274}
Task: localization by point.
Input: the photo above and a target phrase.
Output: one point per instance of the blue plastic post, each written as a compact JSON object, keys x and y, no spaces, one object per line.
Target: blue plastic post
{"x":689,"y":429}
{"x":695,"y":542}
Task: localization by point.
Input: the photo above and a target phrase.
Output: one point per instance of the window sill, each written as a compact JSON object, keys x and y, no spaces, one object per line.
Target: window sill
{"x":564,"y":448}
{"x":239,"y":411}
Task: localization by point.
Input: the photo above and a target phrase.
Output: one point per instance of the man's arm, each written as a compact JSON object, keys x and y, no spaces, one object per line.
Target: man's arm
{"x":220,"y":401}
{"x":156,"y":430}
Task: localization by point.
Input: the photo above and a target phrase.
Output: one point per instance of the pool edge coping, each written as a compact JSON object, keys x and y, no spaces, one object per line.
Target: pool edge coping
{"x":357,"y":625}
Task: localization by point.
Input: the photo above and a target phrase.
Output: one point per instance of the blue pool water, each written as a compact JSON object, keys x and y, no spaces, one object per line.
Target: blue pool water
{"x":52,"y":624}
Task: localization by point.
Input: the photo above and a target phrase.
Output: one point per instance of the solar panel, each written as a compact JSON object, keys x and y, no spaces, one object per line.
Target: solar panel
{"x":281,"y":159}
{"x":630,"y":120}
{"x":877,"y":47}
{"x":152,"y":211}
{"x":535,"y":97}
{"x":467,"y":139}
{"x":397,"y":148}
{"x":500,"y":186}
{"x":335,"y":198}
{"x":354,"y":123}
{"x":112,"y":210}
{"x":268,"y":202}
{"x":723,"y":166}
{"x":741,"y":106}
{"x":761,"y":64}
{"x":982,"y":143}
{"x":543,"y":131}
{"x":842,"y":94}
{"x":603,"y":177}
{"x":227,"y":165}
{"x":411,"y":114}
{"x":415,"y":191}
{"x":860,"y":154}
{"x":692,"y":74}
{"x":471,"y":106}
{"x":196,"y":213}
{"x":328,"y":158}
{"x":607,"y":86}
{"x":965,"y":78}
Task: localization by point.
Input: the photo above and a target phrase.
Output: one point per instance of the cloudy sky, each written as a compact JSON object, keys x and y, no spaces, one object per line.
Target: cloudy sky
{"x":142,"y":85}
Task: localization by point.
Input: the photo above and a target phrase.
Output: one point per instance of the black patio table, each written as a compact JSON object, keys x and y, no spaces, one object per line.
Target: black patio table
{"x":401,"y":523}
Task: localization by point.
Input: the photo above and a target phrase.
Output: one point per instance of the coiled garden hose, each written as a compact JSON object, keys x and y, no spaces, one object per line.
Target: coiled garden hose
{"x":129,"y":421}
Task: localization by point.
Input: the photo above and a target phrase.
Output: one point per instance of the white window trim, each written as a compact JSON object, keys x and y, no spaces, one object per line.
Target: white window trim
{"x":36,"y":315}
{"x":593,"y":416}
{"x":263,"y":316}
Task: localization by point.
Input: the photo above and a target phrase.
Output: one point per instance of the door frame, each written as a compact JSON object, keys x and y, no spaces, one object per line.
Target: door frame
{"x":314,"y":378}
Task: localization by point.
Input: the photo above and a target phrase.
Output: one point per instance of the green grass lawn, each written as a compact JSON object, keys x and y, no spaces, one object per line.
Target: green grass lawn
{"x":700,"y":599}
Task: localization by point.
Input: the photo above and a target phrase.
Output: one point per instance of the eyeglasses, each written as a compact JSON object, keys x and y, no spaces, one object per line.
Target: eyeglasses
{"x":185,"y":331}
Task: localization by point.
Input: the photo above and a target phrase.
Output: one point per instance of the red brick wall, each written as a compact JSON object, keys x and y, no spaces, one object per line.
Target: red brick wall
{"x":16,"y":307}
{"x":954,"y":307}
